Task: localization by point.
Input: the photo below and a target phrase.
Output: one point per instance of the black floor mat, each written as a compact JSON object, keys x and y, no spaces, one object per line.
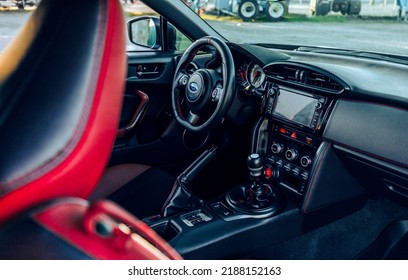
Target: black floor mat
{"x":145,"y":195}
{"x":343,"y":239}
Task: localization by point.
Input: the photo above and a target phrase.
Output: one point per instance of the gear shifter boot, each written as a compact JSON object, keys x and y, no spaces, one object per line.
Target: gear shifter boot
{"x":260,"y":196}
{"x":180,"y":200}
{"x":181,"y":197}
{"x":259,"y":199}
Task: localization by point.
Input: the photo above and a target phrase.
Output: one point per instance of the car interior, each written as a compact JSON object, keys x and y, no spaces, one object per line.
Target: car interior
{"x":220,"y":150}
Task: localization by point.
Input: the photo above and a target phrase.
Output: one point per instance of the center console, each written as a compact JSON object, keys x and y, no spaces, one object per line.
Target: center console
{"x":291,"y":136}
{"x":296,"y":181}
{"x":284,"y":150}
{"x":286,"y":143}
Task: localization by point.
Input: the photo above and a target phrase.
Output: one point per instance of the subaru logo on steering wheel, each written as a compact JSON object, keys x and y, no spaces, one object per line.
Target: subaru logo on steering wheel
{"x":193,"y":87}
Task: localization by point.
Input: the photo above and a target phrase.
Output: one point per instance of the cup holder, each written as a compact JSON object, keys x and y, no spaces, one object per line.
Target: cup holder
{"x":167,"y":230}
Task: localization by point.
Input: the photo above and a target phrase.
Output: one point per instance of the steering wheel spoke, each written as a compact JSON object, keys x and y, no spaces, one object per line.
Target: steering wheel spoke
{"x":192,"y":118}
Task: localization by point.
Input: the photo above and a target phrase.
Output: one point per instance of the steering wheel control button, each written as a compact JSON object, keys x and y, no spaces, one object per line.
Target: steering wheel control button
{"x":215,"y":95}
{"x":194,"y":218}
{"x":183,"y":80}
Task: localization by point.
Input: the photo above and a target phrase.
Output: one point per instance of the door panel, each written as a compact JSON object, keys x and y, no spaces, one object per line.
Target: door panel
{"x":154,"y":138}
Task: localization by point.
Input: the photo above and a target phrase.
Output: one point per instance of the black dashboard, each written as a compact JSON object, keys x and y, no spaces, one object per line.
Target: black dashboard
{"x":328,"y":118}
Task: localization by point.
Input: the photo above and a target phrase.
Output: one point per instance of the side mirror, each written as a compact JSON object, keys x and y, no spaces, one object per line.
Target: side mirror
{"x":145,"y":31}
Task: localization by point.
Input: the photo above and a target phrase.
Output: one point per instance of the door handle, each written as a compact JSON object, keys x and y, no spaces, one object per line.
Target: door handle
{"x":137,"y":116}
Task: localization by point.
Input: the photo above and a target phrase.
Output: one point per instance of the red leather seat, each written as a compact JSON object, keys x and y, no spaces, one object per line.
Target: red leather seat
{"x":61,"y":83}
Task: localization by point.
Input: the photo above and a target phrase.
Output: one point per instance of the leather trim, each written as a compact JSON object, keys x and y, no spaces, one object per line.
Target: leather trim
{"x":77,"y":223}
{"x":80,"y":169}
{"x":25,"y":239}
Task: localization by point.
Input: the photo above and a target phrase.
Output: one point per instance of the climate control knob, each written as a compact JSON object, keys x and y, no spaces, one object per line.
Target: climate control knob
{"x":277,"y":148}
{"x":305,"y":161}
{"x":291,"y":154}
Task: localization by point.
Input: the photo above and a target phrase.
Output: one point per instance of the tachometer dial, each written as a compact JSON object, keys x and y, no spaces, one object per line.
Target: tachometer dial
{"x":256,"y":75}
{"x":242,"y":75}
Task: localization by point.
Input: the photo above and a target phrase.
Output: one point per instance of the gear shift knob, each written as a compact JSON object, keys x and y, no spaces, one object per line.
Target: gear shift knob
{"x":259,"y":197}
{"x":255,"y":165}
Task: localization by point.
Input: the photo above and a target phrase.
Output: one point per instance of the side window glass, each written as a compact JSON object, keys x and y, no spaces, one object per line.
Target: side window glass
{"x":177,"y":40}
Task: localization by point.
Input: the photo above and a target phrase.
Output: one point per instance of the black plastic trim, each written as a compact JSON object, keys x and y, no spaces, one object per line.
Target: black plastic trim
{"x":374,"y":129}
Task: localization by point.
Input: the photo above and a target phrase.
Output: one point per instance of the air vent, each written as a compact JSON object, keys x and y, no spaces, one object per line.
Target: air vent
{"x":284,"y":73}
{"x":322,"y":81}
{"x":303,"y":76}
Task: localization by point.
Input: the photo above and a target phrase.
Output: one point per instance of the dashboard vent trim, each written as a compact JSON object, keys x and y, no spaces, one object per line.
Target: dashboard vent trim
{"x":295,"y":74}
{"x":323,"y":81}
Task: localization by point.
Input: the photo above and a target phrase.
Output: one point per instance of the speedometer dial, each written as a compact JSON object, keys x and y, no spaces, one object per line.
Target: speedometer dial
{"x":242,"y":75}
{"x":256,"y":75}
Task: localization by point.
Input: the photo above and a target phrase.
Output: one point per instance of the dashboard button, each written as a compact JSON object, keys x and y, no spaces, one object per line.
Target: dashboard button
{"x":221,"y":210}
{"x":296,"y":171}
{"x":287,"y":167}
{"x":304,"y":175}
{"x":271,"y":159}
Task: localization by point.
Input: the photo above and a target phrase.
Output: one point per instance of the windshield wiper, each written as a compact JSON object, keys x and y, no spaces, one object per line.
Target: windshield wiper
{"x":364,"y":54}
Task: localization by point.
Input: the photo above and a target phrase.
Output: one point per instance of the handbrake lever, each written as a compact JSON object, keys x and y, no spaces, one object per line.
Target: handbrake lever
{"x":181,"y":197}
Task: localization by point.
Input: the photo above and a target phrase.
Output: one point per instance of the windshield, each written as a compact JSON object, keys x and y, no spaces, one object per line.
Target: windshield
{"x":366,"y":25}
{"x":379,"y":26}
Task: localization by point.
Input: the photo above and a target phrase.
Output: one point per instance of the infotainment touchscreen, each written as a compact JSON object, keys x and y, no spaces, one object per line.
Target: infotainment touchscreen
{"x":295,"y":107}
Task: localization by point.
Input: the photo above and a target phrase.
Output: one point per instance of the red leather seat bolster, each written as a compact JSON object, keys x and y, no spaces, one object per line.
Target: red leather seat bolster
{"x":104,"y":231}
{"x":75,"y":170}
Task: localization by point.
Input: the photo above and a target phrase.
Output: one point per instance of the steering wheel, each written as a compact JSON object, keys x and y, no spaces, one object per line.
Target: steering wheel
{"x":208,"y":93}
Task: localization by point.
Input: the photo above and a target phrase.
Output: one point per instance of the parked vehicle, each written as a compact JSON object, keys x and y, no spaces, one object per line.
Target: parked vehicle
{"x":21,"y":4}
{"x":7,"y":4}
{"x":345,"y":7}
{"x":226,"y":140}
{"x":251,"y":9}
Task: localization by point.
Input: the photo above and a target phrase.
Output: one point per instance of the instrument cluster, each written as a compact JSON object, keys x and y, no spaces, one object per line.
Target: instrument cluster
{"x":250,"y":74}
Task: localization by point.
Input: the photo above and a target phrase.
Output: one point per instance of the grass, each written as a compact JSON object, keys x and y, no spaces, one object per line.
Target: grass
{"x":137,"y":14}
